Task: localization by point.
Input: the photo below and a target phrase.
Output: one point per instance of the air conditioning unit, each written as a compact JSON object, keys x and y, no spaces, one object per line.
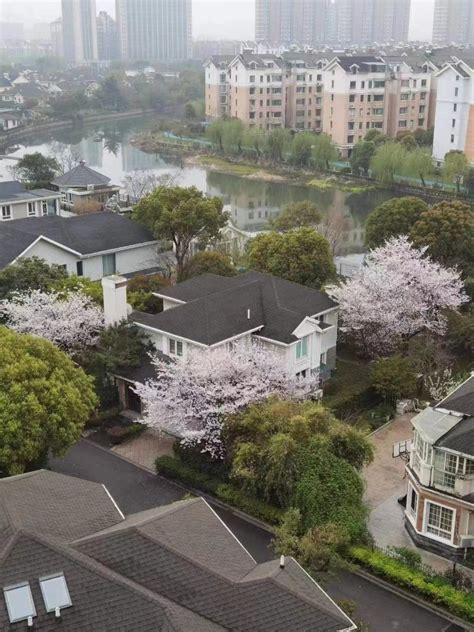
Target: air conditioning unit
{"x":466,"y":541}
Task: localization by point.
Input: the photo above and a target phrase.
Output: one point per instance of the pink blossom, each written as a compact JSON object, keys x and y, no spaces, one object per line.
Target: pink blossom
{"x":397,"y":293}
{"x":70,"y":321}
{"x":190,"y":397}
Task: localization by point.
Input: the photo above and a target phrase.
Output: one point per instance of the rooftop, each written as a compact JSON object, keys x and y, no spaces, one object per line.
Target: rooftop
{"x":13,"y":191}
{"x":175,"y":567}
{"x":81,"y":176}
{"x":215,"y":308}
{"x":84,"y":234}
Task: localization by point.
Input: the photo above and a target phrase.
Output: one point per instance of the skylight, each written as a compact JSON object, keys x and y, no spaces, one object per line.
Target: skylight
{"x":19,"y":601}
{"x":55,"y":592}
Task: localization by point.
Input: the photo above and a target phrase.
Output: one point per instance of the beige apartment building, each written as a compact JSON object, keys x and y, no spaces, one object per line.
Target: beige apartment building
{"x":363,"y":93}
{"x":267,"y":91}
{"x":344,"y":97}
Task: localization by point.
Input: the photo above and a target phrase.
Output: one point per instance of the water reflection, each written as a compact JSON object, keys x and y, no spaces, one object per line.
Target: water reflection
{"x":251,"y":203}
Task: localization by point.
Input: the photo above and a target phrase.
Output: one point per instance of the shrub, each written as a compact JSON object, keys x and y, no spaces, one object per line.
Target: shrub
{"x":393,"y":378}
{"x":436,"y":589}
{"x":177,"y":470}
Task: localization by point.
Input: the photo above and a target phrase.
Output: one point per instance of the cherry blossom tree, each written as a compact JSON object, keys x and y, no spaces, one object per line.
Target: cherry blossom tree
{"x":190,"y":397}
{"x":398,"y":292}
{"x":70,"y":321}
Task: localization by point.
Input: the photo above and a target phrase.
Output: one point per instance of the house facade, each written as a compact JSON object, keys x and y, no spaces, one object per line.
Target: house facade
{"x":210,"y":311}
{"x":82,"y":187}
{"x":93,"y":246}
{"x":440,"y":489}
{"x":17,"y":202}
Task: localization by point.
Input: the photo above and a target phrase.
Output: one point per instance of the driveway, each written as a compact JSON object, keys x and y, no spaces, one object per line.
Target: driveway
{"x":136,"y":489}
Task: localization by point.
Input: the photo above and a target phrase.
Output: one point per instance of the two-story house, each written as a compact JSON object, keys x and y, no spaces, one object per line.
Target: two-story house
{"x":82,"y":186}
{"x":210,"y":311}
{"x":440,"y":496}
{"x":17,"y":202}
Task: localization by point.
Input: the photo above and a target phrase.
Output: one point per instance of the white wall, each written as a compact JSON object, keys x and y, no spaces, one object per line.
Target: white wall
{"x":127,"y":261}
{"x":445,"y":100}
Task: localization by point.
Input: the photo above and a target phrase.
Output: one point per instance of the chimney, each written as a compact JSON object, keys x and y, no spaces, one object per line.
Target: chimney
{"x":114,"y":288}
{"x":282,"y":561}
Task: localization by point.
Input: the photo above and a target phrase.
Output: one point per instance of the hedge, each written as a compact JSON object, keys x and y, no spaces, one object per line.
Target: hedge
{"x":177,"y":470}
{"x":436,"y":589}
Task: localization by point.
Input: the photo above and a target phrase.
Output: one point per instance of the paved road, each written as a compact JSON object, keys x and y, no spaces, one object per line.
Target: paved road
{"x":135,"y":489}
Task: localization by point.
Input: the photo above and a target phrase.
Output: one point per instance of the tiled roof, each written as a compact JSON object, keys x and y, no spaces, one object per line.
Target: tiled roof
{"x":175,"y":568}
{"x":461,"y":400}
{"x":85,"y":234}
{"x":13,"y":191}
{"x":81,"y":176}
{"x":217,"y":308}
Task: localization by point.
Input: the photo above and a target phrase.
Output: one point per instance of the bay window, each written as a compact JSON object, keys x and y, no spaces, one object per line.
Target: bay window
{"x":439,"y":521}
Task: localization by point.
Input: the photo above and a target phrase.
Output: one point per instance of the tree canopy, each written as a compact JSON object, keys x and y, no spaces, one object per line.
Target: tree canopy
{"x":181,"y":215}
{"x":447,"y":229}
{"x":455,"y":167}
{"x":393,"y":377}
{"x":324,"y":151}
{"x":392,"y":218}
{"x":388,"y":160}
{"x":29,"y":274}
{"x":35,"y":170}
{"x":300,"y":255}
{"x":362,"y":155}
{"x":209,"y":261}
{"x":296,"y":215}
{"x":45,"y":400}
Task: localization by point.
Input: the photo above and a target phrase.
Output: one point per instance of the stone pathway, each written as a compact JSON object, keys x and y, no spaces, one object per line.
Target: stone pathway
{"x":146,"y":448}
{"x":385,"y":484}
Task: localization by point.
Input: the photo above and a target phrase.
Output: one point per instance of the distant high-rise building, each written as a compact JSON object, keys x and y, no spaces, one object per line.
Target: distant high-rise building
{"x":155,"y":30}
{"x":79,"y":30}
{"x":453,"y":22}
{"x":107,"y":37}
{"x":10,"y":31}
{"x":331,"y":22}
{"x":56,"y":36}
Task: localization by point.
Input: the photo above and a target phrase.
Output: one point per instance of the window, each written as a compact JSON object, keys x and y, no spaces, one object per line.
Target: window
{"x":350,"y":140}
{"x":452,"y":138}
{"x":455,"y":107}
{"x":300,"y":77}
{"x":404,"y":97}
{"x":31,"y":209}
{"x":379,"y":84}
{"x":413,"y":502}
{"x":378,"y":97}
{"x":44,"y":207}
{"x":302,"y":348}
{"x":175,"y":347}
{"x":423,"y":83}
{"x":439,"y":521}
{"x":6,"y":212}
{"x":352,"y":85}
{"x":55,"y":592}
{"x":405,"y":83}
{"x":403,"y":110}
{"x":252,"y":78}
{"x":377,"y":111}
{"x":421,"y":109}
{"x":79,"y":268}
{"x":456,"y":92}
{"x":352,"y":98}
{"x":402,"y":123}
{"x":108,"y":264}
{"x":351,"y":125}
{"x":19,"y":601}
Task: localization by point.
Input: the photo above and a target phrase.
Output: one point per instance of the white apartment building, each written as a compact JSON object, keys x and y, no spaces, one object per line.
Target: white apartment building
{"x":79,"y":31}
{"x":454,"y":121}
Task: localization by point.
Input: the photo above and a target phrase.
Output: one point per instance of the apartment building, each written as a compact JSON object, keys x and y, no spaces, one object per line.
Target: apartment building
{"x":79,"y":30}
{"x":454,"y":121}
{"x":333,"y":22}
{"x":267,"y":91}
{"x":440,"y":475}
{"x":453,"y":22}
{"x":155,"y":31}
{"x":370,"y":92}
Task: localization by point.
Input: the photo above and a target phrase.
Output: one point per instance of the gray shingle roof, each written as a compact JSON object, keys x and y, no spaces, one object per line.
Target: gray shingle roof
{"x":81,"y":176}
{"x":13,"y":191}
{"x":217,"y":308}
{"x":85,"y":234}
{"x":461,"y":437}
{"x":173,"y":569}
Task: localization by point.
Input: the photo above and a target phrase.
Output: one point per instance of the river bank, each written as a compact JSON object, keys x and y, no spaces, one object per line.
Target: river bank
{"x":25,"y":133}
{"x":200,"y":152}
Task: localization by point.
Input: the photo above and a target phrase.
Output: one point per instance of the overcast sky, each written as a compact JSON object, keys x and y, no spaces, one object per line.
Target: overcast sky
{"x":216,"y":19}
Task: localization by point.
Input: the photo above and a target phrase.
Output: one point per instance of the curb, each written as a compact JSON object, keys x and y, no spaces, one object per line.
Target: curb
{"x":210,"y":499}
{"x":419,"y":601}
{"x":266,"y":527}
